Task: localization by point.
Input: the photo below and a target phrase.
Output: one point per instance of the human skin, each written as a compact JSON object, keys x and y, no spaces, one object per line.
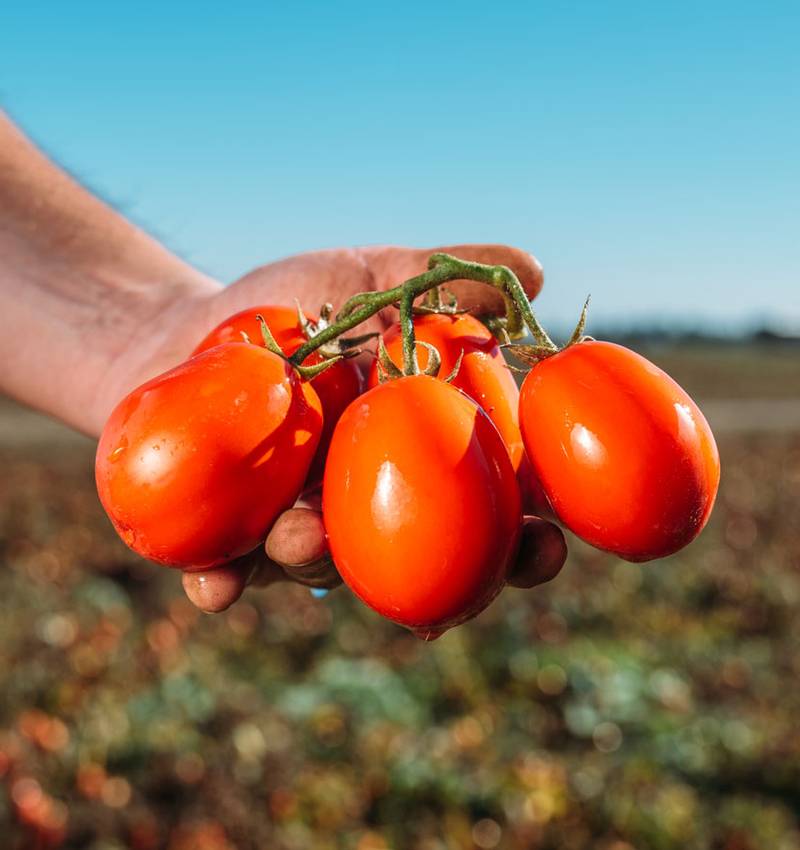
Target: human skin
{"x":91,"y":307}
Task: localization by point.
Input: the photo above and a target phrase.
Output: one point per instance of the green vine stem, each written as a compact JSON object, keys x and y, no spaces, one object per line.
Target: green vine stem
{"x":410,"y":364}
{"x":442,"y":268}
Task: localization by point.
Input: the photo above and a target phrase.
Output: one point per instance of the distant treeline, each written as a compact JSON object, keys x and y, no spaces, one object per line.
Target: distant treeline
{"x":658,"y":335}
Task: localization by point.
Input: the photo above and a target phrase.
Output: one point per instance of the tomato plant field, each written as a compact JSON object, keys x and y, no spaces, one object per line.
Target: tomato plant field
{"x":620,"y":706}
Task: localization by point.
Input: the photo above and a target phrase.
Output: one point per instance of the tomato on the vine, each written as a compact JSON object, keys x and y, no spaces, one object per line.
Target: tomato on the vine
{"x":482,"y":375}
{"x":336,"y":387}
{"x":194,"y":466}
{"x":420,"y":503}
{"x":624,"y":455}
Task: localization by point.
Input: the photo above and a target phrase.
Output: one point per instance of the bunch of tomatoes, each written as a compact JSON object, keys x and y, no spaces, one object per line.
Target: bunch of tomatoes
{"x":424,"y":479}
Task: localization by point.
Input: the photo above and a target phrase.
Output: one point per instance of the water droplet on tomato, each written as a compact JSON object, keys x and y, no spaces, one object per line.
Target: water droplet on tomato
{"x":118,"y":451}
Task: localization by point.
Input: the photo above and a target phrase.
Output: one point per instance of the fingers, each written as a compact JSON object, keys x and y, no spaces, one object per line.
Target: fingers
{"x":296,"y":550}
{"x":542,"y":553}
{"x":215,"y":590}
{"x":299,"y":544}
{"x":391,"y":265}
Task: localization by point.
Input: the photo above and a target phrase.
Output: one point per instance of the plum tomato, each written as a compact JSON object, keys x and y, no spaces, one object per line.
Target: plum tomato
{"x":483,"y":374}
{"x":336,"y":386}
{"x":625,"y":457}
{"x":283,"y":322}
{"x":420,"y":503}
{"x":194,"y":466}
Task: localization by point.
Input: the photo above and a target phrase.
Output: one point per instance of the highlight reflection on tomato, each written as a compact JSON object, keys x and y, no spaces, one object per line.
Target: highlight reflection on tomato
{"x":624,"y":455}
{"x":420,"y":503}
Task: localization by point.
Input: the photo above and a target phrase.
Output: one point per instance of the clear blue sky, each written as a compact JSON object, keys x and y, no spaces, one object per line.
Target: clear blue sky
{"x":646,"y":152}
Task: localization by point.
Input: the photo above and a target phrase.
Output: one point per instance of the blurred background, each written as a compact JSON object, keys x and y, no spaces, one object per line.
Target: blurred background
{"x":648,"y":155}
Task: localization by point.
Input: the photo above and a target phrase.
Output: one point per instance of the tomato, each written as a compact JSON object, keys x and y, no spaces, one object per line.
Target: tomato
{"x":483,"y":374}
{"x":420,"y":503}
{"x":624,"y":455}
{"x":336,"y":386}
{"x":194,"y":466}
{"x":283,"y":323}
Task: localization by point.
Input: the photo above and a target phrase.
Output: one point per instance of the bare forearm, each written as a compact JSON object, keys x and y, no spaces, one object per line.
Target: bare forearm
{"x":78,"y":283}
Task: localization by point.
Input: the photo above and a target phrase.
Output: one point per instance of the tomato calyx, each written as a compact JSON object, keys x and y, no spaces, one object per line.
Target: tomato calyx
{"x":541,"y":350}
{"x":438,"y":301}
{"x":329,"y":353}
{"x":307,"y":373}
{"x":388,"y":370}
{"x":338,"y":347}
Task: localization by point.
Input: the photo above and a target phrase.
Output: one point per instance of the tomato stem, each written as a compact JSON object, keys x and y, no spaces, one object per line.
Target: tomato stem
{"x":442,"y":268}
{"x":434,"y":299}
{"x":410,"y":363}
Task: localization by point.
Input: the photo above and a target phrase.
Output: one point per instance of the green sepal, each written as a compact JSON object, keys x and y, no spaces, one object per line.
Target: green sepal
{"x":305,"y":325}
{"x":434,"y":359}
{"x":391,"y":371}
{"x":269,"y":340}
{"x":497,"y":326}
{"x":530,"y":354}
{"x":308,"y":373}
{"x":454,"y":374}
{"x":577,"y":334}
{"x":437,"y":305}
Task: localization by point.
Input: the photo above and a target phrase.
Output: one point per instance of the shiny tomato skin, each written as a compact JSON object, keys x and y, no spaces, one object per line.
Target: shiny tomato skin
{"x":336,"y":386}
{"x":194,"y":466}
{"x":420,"y":503}
{"x":626,"y":458}
{"x":282,"y":321}
{"x":483,"y":374}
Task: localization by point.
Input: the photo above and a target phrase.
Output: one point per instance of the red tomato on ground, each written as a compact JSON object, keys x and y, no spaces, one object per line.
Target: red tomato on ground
{"x":624,"y":455}
{"x":420,"y":503}
{"x":194,"y":466}
{"x":336,"y":386}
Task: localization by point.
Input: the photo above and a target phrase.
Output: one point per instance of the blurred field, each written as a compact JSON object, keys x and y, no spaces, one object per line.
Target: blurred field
{"x":620,"y":707}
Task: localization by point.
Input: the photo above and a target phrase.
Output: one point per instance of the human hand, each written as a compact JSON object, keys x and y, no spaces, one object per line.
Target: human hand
{"x":295,"y":548}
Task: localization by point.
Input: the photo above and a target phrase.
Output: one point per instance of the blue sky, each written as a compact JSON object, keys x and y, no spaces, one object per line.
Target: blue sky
{"x":646,"y":152}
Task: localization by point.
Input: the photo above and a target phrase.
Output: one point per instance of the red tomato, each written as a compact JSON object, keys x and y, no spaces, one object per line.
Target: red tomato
{"x":483,"y":374}
{"x":336,"y":386}
{"x":282,"y":321}
{"x":625,"y":457}
{"x":194,"y":466}
{"x":420,"y":503}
